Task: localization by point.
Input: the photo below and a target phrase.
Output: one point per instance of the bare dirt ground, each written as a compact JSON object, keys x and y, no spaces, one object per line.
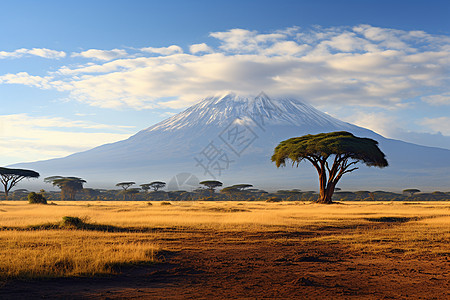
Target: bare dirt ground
{"x":206,"y":264}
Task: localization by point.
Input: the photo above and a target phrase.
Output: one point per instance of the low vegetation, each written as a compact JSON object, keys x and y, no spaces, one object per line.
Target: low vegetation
{"x":56,"y":253}
{"x":34,"y":198}
{"x":232,"y":194}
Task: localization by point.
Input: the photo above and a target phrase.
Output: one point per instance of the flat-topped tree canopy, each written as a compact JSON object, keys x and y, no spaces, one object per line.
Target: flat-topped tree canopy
{"x":125,"y":185}
{"x":346,"y":149}
{"x":10,"y":177}
{"x":69,"y":185}
{"x":340,"y":143}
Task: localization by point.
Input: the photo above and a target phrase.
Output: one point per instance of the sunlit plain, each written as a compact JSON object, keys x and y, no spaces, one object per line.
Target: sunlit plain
{"x":419,"y":228}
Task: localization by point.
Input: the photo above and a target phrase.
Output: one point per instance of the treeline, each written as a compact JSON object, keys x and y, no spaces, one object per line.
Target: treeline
{"x":389,"y":196}
{"x":230,"y":194}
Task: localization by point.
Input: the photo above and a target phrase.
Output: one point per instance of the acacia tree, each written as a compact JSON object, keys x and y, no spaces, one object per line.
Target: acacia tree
{"x":211,"y":185}
{"x":236,"y":190}
{"x":155,"y":185}
{"x":69,"y":185}
{"x":145,"y":186}
{"x":411,"y":192}
{"x":10,"y":177}
{"x":230,"y":191}
{"x":241,"y":187}
{"x":125,"y":185}
{"x":342,"y":148}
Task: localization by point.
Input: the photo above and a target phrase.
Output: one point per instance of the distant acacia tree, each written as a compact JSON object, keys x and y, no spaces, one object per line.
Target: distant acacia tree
{"x":155,"y":185}
{"x":211,"y":185}
{"x":242,"y":186}
{"x":10,"y":177}
{"x":236,"y":190}
{"x":342,"y":148}
{"x":69,"y":185}
{"x":125,"y":185}
{"x":145,"y":186}
{"x":411,"y":192}
{"x":230,"y":191}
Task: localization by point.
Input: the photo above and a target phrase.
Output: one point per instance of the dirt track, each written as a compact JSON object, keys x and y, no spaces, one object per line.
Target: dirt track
{"x":244,"y":265}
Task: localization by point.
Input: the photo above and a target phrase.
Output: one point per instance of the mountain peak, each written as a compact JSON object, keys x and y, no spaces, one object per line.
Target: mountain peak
{"x":220,"y":110}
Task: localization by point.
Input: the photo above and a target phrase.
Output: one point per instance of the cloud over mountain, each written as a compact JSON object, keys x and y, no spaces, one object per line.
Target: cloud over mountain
{"x":363,"y":65}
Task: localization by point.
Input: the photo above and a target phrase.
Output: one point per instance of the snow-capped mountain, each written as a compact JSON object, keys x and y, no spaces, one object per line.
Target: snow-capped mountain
{"x":231,"y":138}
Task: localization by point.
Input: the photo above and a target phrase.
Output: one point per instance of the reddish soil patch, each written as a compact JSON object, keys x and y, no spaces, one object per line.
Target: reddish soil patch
{"x":244,"y":265}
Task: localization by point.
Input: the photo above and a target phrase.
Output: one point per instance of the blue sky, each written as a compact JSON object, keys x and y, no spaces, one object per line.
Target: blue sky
{"x":77,"y":74}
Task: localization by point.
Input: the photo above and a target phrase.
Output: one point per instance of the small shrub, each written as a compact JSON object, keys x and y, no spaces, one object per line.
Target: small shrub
{"x":166,"y":203}
{"x":149,"y":203}
{"x":273,"y":199}
{"x":34,"y":198}
{"x":72,"y":222}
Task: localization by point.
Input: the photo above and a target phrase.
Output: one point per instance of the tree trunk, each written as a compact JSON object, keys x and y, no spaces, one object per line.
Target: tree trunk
{"x":322,"y":186}
{"x":6,"y":191}
{"x":326,"y":193}
{"x":326,"y":199}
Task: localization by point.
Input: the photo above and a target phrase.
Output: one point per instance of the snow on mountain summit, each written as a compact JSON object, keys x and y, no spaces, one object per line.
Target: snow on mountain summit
{"x":223,"y":109}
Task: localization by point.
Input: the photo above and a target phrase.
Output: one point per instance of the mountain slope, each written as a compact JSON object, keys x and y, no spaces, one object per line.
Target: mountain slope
{"x":231,"y":138}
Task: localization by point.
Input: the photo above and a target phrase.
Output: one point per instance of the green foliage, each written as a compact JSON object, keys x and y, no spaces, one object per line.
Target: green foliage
{"x":344,"y":149}
{"x":125,"y":185}
{"x":34,"y":198}
{"x":69,"y":185}
{"x":10,"y":177}
{"x":156,"y":185}
{"x":211,"y":184}
{"x":75,"y":222}
{"x":326,"y":144}
{"x":411,"y":192}
{"x":242,"y":186}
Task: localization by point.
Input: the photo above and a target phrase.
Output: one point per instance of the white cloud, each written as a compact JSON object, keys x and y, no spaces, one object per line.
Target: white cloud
{"x":442,"y":99}
{"x":26,"y":79}
{"x":434,"y":134}
{"x":285,"y":48}
{"x":41,"y":52}
{"x":54,"y":122}
{"x":39,"y":138}
{"x":174,"y":49}
{"x":102,"y":54}
{"x":440,"y":124}
{"x":380,"y":122}
{"x":198,"y":48}
{"x":245,"y":41}
{"x":362,"y":66}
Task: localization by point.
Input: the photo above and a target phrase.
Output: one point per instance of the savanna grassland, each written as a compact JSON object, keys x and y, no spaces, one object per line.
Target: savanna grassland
{"x":225,"y":250}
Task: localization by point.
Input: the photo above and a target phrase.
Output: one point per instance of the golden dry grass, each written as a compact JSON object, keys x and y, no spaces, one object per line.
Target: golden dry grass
{"x":61,"y":253}
{"x":410,"y":229}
